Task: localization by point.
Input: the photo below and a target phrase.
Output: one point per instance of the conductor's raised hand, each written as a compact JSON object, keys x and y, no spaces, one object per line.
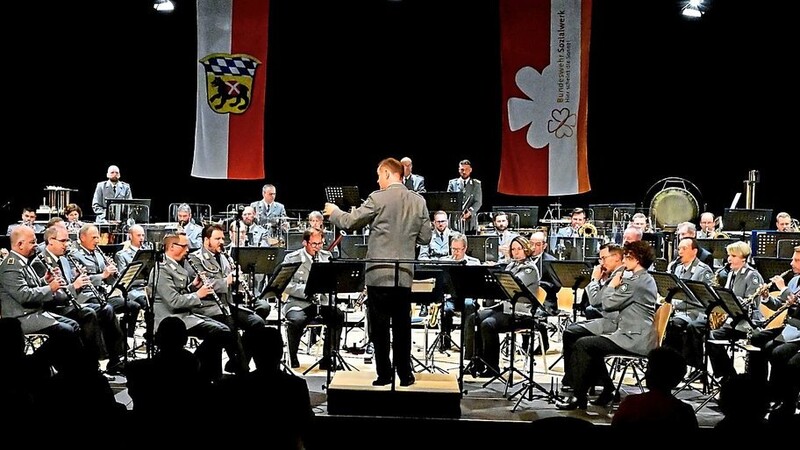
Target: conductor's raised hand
{"x":329,"y":209}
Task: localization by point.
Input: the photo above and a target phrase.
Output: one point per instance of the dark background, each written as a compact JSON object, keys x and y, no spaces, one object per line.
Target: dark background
{"x":704,"y":100}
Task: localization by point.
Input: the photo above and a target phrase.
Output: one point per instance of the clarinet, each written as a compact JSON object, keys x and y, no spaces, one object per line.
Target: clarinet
{"x":209,"y":283}
{"x":56,"y":272}
{"x":81,"y":269}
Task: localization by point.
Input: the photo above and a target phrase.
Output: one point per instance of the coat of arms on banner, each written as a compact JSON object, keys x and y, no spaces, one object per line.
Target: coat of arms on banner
{"x":229,"y":81}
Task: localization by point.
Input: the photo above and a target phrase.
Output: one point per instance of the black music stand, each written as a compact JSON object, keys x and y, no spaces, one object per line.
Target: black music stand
{"x":574,"y":275}
{"x":121,"y":287}
{"x":484,"y":247}
{"x":330,"y":278}
{"x":746,"y":219}
{"x":278,"y":282}
{"x":771,"y":242}
{"x":516,"y":290}
{"x":353,"y":246}
{"x":717,"y":247}
{"x":528,"y":215}
{"x":345,"y":197}
{"x":772,"y":266}
{"x":255,"y":261}
{"x":426,"y":297}
{"x":672,"y":288}
{"x":462,"y":282}
{"x":449,"y":202}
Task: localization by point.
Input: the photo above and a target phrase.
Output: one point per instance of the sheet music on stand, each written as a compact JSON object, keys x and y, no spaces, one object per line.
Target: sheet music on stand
{"x":745,"y":220}
{"x":717,"y":247}
{"x":258,"y":260}
{"x":147,"y":257}
{"x":515,"y":290}
{"x":345,"y":197}
{"x":127,"y":278}
{"x":280,"y":279}
{"x":449,"y":202}
{"x":730,"y":304}
{"x":767,"y":242}
{"x":571,"y":274}
{"x":703,"y":292}
{"x":672,"y":288}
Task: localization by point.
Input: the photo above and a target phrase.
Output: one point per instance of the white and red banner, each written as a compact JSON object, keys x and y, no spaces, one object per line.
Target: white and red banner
{"x":544,"y":50}
{"x":231,"y":83}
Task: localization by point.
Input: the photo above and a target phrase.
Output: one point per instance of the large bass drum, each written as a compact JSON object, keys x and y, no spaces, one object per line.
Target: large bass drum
{"x":673,"y":203}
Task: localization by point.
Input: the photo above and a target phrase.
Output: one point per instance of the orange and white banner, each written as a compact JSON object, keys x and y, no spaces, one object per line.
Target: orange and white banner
{"x":231,"y":84}
{"x":545,"y":66}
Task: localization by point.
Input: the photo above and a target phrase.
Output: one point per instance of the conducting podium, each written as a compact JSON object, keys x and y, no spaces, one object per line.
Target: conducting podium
{"x":331,"y":278}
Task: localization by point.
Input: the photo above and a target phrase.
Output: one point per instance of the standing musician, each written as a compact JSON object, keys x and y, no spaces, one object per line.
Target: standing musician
{"x":268,"y":212}
{"x":400,"y":221}
{"x":412,"y":181}
{"x":635,"y":300}
{"x":109,"y":189}
{"x":101,"y":334}
{"x":498,"y":317}
{"x":103,"y":273}
{"x":193,"y":231}
{"x":606,"y":321}
{"x":301,"y":308}
{"x":688,"y":325}
{"x":177,"y":294}
{"x":472,"y":197}
{"x":24,"y":295}
{"x":745,"y":282}
{"x":780,"y":346}
{"x":213,"y":266}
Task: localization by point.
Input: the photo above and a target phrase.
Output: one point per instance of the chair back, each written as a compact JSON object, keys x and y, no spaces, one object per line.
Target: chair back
{"x":660,"y":321}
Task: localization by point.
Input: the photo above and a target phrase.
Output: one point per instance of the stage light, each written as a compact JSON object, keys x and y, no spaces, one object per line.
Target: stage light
{"x":693,"y":9}
{"x":164,"y":6}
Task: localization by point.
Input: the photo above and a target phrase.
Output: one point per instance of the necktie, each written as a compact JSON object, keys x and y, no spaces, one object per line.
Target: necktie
{"x":733,"y":280}
{"x":409,"y":184}
{"x":114,"y":189}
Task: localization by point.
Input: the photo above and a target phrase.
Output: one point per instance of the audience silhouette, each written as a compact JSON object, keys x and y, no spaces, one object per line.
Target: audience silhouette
{"x":658,"y":407}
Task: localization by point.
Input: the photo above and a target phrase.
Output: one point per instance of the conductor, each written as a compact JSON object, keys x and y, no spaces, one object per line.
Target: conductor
{"x":399,"y":221}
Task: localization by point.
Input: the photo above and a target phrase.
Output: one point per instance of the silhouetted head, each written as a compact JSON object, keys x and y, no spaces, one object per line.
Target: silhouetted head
{"x":171,"y":334}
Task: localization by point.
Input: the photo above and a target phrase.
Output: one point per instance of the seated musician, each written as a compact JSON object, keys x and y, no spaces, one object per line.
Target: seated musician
{"x":549,"y":281}
{"x":577,"y":220}
{"x":439,"y":247}
{"x":100,"y":329}
{"x":301,"y":308}
{"x":707,"y":226}
{"x":688,"y":325}
{"x":784,"y":222}
{"x":497,"y":317}
{"x":689,"y":230}
{"x":609,"y":264}
{"x":176,"y":294}
{"x":103,"y":272}
{"x":123,"y":258}
{"x":73,"y":214}
{"x":745,"y":282}
{"x":500,"y":222}
{"x":635,"y":300}
{"x":458,"y":252}
{"x":780,"y":345}
{"x":28,"y":220}
{"x":217,"y":269}
{"x":317,"y":220}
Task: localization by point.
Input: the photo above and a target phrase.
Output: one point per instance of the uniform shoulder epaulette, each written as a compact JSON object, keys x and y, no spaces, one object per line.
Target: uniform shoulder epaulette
{"x":10,"y":260}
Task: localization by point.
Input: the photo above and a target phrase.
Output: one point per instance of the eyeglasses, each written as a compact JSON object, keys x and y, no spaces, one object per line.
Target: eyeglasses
{"x":63,"y":241}
{"x":315,"y":244}
{"x":440,"y":221}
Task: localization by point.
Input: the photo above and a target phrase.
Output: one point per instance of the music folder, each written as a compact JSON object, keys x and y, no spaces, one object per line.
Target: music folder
{"x":127,"y":278}
{"x":279,"y":280}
